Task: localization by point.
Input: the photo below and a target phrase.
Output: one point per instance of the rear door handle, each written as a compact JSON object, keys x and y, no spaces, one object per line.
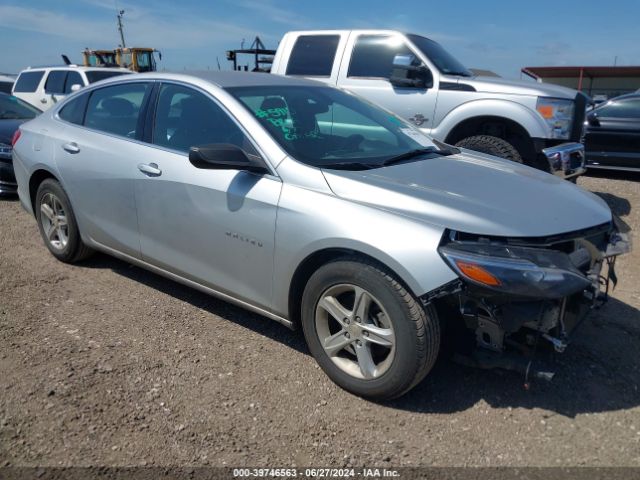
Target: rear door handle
{"x":150,"y":169}
{"x":71,"y":147}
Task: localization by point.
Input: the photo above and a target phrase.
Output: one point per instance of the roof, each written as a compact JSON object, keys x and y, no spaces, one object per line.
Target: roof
{"x":587,"y":71}
{"x":75,"y":67}
{"x":232,"y":78}
{"x":627,"y":95}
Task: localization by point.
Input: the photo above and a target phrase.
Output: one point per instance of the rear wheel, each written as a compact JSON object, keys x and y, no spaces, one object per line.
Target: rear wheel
{"x":492,"y":146}
{"x":57,"y":223}
{"x":367,"y":332}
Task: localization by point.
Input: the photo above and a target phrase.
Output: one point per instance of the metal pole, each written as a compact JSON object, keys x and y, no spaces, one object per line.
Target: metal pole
{"x":120,"y":28}
{"x":580,"y":80}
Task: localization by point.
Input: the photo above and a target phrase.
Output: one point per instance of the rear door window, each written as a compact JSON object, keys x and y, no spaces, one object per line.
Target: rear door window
{"x":313,"y":55}
{"x":73,"y":78}
{"x":97,"y":75}
{"x":28,"y":82}
{"x":116,"y":109}
{"x":55,"y":82}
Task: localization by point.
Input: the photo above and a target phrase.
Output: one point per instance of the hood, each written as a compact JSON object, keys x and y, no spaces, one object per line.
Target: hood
{"x":474,"y":193}
{"x":8,"y":128}
{"x":517,"y":87}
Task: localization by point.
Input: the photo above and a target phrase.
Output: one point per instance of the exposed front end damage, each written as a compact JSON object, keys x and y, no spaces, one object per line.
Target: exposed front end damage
{"x":516,"y":295}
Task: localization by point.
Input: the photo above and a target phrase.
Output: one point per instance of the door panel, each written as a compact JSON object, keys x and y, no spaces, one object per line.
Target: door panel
{"x":612,"y":136}
{"x":215,"y":227}
{"x":99,"y":165}
{"x":367,"y":74}
{"x":100,"y":180}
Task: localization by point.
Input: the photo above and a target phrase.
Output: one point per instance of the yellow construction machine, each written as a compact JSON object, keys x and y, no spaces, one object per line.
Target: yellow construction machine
{"x":137,"y":59}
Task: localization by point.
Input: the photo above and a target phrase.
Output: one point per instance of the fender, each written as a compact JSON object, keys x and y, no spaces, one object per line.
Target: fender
{"x":406,"y":246}
{"x":528,"y":119}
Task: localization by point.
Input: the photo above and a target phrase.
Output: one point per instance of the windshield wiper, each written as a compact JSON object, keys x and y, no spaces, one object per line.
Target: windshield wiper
{"x":412,"y":154}
{"x":350,"y":166}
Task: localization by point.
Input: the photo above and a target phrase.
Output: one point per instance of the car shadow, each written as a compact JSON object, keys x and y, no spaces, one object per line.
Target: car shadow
{"x":600,"y":371}
{"x":619,"y":205}
{"x":203,"y":301}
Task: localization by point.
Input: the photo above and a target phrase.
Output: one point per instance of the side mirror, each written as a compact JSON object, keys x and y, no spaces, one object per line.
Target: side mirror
{"x":592,"y":119}
{"x":408,"y":72}
{"x":224,"y":156}
{"x":75,"y":87}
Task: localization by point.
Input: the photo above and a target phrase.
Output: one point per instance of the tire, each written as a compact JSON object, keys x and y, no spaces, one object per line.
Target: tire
{"x":491,"y":146}
{"x":62,"y":238}
{"x":393,"y":316}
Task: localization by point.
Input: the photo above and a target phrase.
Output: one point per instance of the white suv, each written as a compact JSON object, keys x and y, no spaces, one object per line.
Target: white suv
{"x":43,"y":87}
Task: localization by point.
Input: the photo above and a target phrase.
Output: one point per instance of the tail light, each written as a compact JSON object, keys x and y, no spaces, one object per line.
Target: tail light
{"x":16,"y":137}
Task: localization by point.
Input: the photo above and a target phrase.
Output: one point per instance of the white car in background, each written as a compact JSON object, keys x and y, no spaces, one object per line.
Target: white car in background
{"x":43,"y":87}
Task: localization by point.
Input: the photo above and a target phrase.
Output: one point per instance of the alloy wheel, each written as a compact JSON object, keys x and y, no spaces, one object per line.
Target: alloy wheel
{"x":355,"y":331}
{"x":54,"y":221}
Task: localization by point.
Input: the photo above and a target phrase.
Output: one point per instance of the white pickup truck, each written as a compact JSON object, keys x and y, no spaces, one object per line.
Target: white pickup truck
{"x":416,"y":78}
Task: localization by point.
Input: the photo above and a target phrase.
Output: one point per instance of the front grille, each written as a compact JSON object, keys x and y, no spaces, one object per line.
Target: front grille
{"x":579,"y":114}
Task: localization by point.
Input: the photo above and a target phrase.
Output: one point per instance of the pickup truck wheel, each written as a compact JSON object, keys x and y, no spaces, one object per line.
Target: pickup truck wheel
{"x":492,"y":146}
{"x":366,"y":331}
{"x":57,"y":223}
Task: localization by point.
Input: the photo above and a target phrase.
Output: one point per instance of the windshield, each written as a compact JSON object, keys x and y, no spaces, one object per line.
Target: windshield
{"x":145,"y":61}
{"x":97,"y":75}
{"x":327,"y":127}
{"x":14,"y":108}
{"x":442,"y":59}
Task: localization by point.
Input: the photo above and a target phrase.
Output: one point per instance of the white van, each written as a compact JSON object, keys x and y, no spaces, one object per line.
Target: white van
{"x":43,"y":87}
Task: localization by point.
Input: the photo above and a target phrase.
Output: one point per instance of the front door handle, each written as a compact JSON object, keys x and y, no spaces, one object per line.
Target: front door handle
{"x":71,"y":147}
{"x":150,"y":169}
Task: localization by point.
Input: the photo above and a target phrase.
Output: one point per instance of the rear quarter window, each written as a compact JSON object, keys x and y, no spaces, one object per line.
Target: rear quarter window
{"x":73,"y":111}
{"x":313,"y":55}
{"x":28,"y":81}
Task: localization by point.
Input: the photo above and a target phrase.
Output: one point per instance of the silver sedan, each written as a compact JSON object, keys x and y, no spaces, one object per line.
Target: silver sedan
{"x":317,"y":209}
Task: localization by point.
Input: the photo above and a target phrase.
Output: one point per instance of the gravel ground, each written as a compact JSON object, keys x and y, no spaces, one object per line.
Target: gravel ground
{"x":106,"y":364}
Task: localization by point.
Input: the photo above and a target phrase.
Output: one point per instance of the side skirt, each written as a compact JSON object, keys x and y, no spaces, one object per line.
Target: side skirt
{"x":192,"y":284}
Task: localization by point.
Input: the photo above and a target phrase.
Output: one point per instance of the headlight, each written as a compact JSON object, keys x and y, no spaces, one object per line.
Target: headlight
{"x":522,"y":271}
{"x":5,"y":150}
{"x":558,"y":114}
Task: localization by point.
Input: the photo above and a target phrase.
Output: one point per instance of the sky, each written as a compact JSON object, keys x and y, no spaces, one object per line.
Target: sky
{"x":502,"y":36}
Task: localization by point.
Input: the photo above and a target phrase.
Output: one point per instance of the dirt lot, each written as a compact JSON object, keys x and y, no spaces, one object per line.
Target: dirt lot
{"x":106,"y":364}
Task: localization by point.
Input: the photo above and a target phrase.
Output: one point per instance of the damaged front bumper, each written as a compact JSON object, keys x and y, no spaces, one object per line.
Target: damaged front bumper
{"x":514,"y":294}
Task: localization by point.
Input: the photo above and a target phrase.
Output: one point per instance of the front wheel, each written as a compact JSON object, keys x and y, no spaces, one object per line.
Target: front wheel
{"x":492,"y":146}
{"x":366,"y":331}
